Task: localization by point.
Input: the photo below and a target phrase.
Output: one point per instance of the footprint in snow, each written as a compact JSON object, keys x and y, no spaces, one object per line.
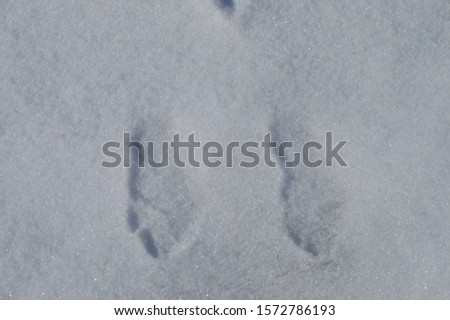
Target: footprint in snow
{"x":161,"y":200}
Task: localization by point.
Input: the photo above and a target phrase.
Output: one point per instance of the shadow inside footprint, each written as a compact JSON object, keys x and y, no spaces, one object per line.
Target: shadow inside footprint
{"x":132,"y":220}
{"x":308,"y":246}
{"x":149,"y":243}
{"x":226,"y":5}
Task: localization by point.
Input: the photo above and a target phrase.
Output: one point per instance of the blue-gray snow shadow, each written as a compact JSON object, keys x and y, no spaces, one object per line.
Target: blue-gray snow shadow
{"x":132,"y":220}
{"x":226,"y":5}
{"x":149,"y":243}
{"x":145,"y":235}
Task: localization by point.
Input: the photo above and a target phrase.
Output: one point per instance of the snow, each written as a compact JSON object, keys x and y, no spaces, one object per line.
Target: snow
{"x":76,"y":74}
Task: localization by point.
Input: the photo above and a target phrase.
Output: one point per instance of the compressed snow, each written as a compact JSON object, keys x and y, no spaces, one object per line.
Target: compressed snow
{"x":76,"y":74}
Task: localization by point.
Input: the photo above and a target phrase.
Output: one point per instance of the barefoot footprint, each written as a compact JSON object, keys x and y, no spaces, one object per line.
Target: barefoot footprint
{"x":161,"y":202}
{"x":311,"y":206}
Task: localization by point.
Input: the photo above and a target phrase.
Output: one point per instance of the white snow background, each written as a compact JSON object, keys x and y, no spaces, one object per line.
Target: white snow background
{"x":75,"y":74}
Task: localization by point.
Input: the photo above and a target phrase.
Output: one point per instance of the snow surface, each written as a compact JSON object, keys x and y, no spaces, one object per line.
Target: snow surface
{"x":75,"y":74}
